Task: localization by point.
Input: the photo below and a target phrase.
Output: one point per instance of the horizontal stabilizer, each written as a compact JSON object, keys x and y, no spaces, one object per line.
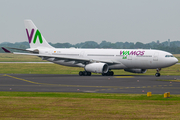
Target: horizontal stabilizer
{"x":17,"y":49}
{"x":31,"y":51}
{"x":5,"y":50}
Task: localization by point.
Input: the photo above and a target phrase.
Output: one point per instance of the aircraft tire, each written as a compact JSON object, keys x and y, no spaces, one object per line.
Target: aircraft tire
{"x":157,"y":74}
{"x":108,"y":73}
{"x":89,"y":73}
{"x":103,"y":74}
{"x":85,"y":73}
{"x":80,"y":73}
{"x":112,"y":73}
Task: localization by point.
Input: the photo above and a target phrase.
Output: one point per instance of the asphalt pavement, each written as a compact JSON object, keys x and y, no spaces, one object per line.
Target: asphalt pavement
{"x":94,"y":84}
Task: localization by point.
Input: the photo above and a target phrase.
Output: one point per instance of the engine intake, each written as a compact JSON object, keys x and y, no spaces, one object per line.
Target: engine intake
{"x":136,"y":70}
{"x":97,"y":67}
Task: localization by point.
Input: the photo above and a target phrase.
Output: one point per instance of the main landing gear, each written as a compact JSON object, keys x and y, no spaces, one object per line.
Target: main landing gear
{"x":158,"y":74}
{"x":109,"y":73}
{"x":84,"y":73}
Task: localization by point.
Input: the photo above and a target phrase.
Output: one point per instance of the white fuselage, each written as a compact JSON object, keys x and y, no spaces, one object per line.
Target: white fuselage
{"x":123,"y":58}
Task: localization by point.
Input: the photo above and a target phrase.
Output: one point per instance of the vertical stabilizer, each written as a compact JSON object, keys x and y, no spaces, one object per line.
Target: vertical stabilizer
{"x":35,"y":38}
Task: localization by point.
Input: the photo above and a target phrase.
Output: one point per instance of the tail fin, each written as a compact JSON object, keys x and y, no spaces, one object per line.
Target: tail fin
{"x":34,"y":36}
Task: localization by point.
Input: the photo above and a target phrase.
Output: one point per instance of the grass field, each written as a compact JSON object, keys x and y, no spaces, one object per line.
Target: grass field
{"x":5,"y":57}
{"x":37,"y":105}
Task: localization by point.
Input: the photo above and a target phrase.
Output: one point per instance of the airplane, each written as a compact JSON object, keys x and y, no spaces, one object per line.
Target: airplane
{"x":101,"y":61}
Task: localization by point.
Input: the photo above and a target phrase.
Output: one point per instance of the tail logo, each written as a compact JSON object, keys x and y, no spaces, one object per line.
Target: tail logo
{"x":37,"y":34}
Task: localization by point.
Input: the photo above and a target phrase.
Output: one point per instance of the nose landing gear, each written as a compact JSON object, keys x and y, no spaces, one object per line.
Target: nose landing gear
{"x":158,"y":74}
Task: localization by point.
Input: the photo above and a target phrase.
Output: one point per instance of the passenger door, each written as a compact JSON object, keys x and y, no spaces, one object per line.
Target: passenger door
{"x":155,"y":57}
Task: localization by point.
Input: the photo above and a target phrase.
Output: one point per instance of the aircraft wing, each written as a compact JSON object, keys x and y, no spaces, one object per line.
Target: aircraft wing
{"x":61,"y":57}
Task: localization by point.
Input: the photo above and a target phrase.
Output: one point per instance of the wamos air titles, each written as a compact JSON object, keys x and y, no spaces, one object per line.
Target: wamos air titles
{"x":96,"y":60}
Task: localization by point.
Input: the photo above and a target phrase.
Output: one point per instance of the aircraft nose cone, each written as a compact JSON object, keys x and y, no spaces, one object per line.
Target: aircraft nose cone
{"x":176,"y":60}
{"x":171,"y":61}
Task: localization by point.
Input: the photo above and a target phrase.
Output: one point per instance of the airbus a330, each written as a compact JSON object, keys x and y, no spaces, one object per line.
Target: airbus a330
{"x":96,"y":60}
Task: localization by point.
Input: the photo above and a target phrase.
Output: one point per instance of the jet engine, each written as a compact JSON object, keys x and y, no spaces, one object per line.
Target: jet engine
{"x":136,"y":70}
{"x":97,"y":67}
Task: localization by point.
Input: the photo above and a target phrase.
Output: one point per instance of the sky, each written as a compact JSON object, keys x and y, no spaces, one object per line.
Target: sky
{"x":75,"y":21}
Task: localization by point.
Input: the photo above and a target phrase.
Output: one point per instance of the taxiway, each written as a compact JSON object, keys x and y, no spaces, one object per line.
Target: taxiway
{"x":96,"y":83}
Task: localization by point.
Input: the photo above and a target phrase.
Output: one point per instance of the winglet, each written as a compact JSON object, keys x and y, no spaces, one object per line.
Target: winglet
{"x":5,"y":50}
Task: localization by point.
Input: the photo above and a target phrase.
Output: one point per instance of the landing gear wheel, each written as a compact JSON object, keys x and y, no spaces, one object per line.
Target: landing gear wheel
{"x":89,"y":73}
{"x":157,"y":74}
{"x":103,"y":74}
{"x":80,"y":73}
{"x":109,"y":73}
{"x":85,"y":73}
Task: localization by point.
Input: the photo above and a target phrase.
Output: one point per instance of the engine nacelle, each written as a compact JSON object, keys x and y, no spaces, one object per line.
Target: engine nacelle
{"x":97,"y":67}
{"x":136,"y":70}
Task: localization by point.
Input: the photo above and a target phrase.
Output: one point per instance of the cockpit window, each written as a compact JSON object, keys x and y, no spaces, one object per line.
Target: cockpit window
{"x":169,"y":56}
